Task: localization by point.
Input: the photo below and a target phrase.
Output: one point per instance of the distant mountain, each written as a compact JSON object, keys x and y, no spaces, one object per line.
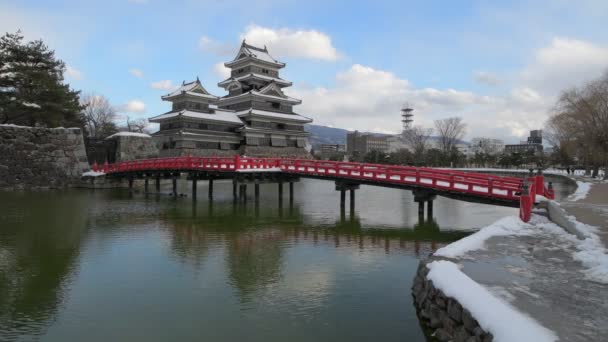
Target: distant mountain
{"x":330,"y":135}
{"x":326,"y":135}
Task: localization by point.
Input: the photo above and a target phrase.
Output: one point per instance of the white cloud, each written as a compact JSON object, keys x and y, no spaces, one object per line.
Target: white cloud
{"x":73,"y":73}
{"x":136,"y":72}
{"x":221,"y":71}
{"x":368,"y":99}
{"x":163,"y":85}
{"x":565,"y":63}
{"x":487,"y":78}
{"x":134,"y":106}
{"x":309,"y":44}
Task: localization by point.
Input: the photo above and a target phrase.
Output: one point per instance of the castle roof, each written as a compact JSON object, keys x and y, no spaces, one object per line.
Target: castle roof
{"x":250,"y":51}
{"x":273,"y":115}
{"x":219,"y":115}
{"x":276,"y":80}
{"x":194,"y":88}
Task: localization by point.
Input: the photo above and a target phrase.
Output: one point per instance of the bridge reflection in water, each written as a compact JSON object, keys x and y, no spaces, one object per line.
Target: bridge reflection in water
{"x":66,"y":254}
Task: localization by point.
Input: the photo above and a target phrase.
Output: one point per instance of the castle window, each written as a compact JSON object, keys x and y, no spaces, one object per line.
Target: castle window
{"x":197,"y":106}
{"x":275,"y":105}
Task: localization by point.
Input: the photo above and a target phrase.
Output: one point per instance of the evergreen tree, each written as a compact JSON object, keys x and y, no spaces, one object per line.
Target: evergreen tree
{"x":32,"y":91}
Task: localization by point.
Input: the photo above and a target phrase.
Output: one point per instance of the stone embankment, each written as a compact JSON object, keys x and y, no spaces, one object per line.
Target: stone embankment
{"x":40,"y":158}
{"x":133,"y":146}
{"x":444,"y":315}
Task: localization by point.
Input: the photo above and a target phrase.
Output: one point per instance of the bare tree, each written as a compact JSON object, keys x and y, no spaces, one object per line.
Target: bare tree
{"x":137,"y":125}
{"x":449,"y":132}
{"x":417,"y":139}
{"x":579,"y":126}
{"x":99,"y":115}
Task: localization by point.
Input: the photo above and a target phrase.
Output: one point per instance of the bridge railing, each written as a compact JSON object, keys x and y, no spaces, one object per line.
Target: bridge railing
{"x":508,"y":188}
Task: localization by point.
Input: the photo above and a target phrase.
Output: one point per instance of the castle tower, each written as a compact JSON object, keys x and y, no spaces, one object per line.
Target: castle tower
{"x":255,"y":93}
{"x":407,"y":116}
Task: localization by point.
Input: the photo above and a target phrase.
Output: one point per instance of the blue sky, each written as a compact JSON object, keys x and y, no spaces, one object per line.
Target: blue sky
{"x":499,"y":65}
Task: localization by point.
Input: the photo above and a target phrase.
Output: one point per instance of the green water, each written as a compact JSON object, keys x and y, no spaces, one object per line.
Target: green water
{"x":84,"y":265}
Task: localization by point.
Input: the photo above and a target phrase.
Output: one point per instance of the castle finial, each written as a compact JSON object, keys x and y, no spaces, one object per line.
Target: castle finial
{"x":183,"y":82}
{"x":265,"y":49}
{"x":197,"y":80}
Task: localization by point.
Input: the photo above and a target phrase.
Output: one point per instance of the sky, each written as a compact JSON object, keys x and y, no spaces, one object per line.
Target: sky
{"x":499,"y":65}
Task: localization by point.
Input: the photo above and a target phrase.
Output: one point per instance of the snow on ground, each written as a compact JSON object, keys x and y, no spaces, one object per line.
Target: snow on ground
{"x":93,"y":174}
{"x":129,"y":134}
{"x":581,"y":191}
{"x":510,"y":225}
{"x":490,"y":311}
{"x":589,"y":251}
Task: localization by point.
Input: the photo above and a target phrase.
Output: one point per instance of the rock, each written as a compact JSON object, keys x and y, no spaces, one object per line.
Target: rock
{"x":460,"y":335}
{"x":488,"y":337}
{"x":455,"y":310}
{"x":442,"y":335}
{"x":468,"y":321}
{"x":478,"y":332}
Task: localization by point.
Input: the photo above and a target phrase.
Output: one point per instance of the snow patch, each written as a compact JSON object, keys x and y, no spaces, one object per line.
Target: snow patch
{"x":510,"y":225}
{"x":490,"y":311}
{"x":129,"y":134}
{"x":581,"y":191}
{"x":93,"y":174}
{"x":31,"y":105}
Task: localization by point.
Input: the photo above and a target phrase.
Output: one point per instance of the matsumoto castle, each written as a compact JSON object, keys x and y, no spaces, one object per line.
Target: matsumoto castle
{"x":255,"y":119}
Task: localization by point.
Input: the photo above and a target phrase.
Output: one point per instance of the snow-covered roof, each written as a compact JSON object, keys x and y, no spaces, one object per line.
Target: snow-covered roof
{"x":194,"y":88}
{"x":129,"y":134}
{"x":257,"y":93}
{"x":277,"y":80}
{"x":274,"y":115}
{"x":218,"y":115}
{"x":255,"y":52}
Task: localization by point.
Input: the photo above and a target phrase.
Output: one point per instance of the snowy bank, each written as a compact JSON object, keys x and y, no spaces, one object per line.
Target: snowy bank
{"x":129,"y":134}
{"x":581,"y":192}
{"x":93,"y":174}
{"x":510,"y":225}
{"x":491,"y":312}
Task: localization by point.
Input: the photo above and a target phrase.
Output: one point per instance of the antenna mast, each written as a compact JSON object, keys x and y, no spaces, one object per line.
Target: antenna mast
{"x":407,"y":116}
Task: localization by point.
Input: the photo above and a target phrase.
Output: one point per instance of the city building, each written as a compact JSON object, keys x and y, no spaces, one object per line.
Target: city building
{"x":487,"y":145}
{"x":255,"y":118}
{"x":358,"y":144}
{"x":331,"y":151}
{"x":534,"y":143}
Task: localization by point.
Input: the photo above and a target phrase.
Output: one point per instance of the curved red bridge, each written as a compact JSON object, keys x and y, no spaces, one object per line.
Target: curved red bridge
{"x":468,"y":186}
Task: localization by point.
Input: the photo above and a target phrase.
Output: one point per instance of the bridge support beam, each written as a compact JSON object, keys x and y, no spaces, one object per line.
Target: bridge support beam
{"x":146,"y":184}
{"x":174,"y":186}
{"x":234,"y":197}
{"x":194,"y":187}
{"x":290,"y":194}
{"x":157,"y":183}
{"x":243,"y":192}
{"x":343,"y":186}
{"x":130,"y":183}
{"x":210,"y":194}
{"x":421,"y":196}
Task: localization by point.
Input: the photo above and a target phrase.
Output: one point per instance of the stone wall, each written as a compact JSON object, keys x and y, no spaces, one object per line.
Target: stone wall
{"x":40,"y":158}
{"x":443,"y":315}
{"x":131,"y":146}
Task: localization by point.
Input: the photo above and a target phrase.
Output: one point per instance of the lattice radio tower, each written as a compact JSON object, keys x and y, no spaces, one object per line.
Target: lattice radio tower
{"x":407,"y":116}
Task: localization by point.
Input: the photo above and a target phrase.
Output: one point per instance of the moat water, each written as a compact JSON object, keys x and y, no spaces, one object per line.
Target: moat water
{"x":107,"y":265}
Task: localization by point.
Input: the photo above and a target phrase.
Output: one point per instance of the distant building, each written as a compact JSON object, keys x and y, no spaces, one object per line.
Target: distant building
{"x":256,"y":118}
{"x":396,"y":143}
{"x":487,"y":145}
{"x":327,"y":151}
{"x":534,"y":144}
{"x":359,"y":144}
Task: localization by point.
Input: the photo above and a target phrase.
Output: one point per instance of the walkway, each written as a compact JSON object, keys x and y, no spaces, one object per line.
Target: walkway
{"x":543,"y":271}
{"x":593,"y":209}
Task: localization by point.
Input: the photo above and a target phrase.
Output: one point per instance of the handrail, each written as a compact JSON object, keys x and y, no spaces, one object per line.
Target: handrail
{"x":478,"y":184}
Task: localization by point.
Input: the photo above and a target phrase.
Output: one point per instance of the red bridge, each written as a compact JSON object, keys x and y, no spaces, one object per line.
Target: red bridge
{"x":425,"y":183}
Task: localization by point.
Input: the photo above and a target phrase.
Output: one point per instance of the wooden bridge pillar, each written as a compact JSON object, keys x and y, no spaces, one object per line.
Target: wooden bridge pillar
{"x":131,"y":183}
{"x":429,"y":209}
{"x":234,"y":197}
{"x":194,"y":187}
{"x":290,"y":194}
{"x":243,"y":192}
{"x":157,"y":183}
{"x":421,"y":196}
{"x":257,"y":192}
{"x":174,"y":186}
{"x":352,"y":202}
{"x":210,"y":195}
{"x":146,"y":184}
